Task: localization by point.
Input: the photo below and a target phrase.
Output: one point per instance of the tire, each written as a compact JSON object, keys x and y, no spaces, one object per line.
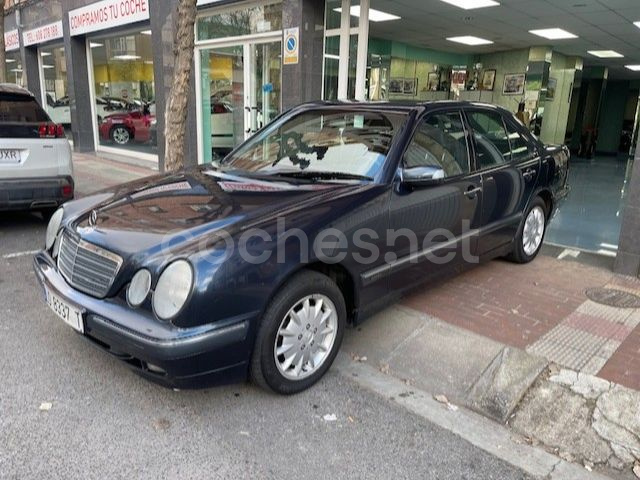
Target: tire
{"x":270,"y":370}
{"x":526,"y":247}
{"x":120,"y":135}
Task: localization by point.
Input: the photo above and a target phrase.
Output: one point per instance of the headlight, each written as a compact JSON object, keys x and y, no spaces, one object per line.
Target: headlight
{"x":53,"y":227}
{"x":173,"y":289}
{"x":139,"y":287}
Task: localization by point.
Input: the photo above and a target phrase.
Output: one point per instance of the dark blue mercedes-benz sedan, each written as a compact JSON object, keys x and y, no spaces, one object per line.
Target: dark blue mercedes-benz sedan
{"x":253,"y":266}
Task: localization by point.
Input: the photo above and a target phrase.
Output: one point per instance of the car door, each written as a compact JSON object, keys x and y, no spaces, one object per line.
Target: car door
{"x":507,"y":178}
{"x":432,"y":226}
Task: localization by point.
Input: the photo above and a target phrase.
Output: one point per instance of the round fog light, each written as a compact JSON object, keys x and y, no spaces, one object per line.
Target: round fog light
{"x":139,"y":288}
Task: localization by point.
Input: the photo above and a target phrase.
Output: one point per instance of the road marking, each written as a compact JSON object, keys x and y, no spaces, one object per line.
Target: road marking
{"x":486,"y":434}
{"x":19,"y":254}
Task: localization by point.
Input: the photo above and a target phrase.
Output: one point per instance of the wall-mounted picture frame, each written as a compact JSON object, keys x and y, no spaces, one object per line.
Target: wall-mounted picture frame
{"x":551,"y":88}
{"x":410,"y":86}
{"x":514,"y":84}
{"x":433,"y":82}
{"x":488,"y":80}
{"x":396,"y":85}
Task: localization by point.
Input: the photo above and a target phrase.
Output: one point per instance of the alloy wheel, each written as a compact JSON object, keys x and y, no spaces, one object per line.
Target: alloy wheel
{"x":121,"y":135}
{"x":306,"y":337}
{"x":533,"y":231}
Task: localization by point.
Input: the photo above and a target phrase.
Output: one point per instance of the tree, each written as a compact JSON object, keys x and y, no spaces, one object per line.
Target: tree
{"x":176,"y":109}
{"x":3,"y":54}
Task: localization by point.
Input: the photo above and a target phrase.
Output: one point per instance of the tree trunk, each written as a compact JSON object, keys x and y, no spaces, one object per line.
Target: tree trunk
{"x":176,"y":110}
{"x":3,"y":54}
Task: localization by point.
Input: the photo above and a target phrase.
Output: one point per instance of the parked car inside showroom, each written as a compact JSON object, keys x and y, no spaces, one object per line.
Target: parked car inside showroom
{"x":126,"y":127}
{"x":238,"y":269}
{"x":36,"y":171}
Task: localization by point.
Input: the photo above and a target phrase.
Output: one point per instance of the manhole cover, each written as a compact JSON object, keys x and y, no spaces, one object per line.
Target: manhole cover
{"x":613,"y":297}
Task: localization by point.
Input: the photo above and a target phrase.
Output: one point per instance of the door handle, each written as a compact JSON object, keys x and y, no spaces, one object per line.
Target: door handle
{"x":472,"y":192}
{"x":529,"y":174}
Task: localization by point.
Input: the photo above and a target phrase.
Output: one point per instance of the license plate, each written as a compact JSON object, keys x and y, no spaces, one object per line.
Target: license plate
{"x":10,"y":156}
{"x":63,"y":309}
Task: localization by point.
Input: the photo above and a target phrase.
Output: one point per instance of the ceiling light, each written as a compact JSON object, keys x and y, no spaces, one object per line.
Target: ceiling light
{"x":45,"y":54}
{"x":126,"y":57}
{"x":470,"y":40}
{"x":17,"y":70}
{"x":95,"y":45}
{"x":605,"y":54}
{"x":637,"y":24}
{"x":10,"y":60}
{"x":47,"y":66}
{"x":374,"y":15}
{"x":471,"y":4}
{"x":635,"y":68}
{"x":553,"y":33}
{"x":146,"y":32}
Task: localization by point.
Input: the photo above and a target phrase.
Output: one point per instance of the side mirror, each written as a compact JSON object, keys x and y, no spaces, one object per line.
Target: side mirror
{"x":423,"y":176}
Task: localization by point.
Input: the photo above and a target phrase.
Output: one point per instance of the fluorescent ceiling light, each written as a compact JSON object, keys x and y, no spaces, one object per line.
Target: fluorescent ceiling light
{"x":47,"y":66}
{"x":553,"y":33}
{"x":470,"y":40}
{"x":126,"y":57}
{"x":471,"y":4}
{"x":146,"y":32}
{"x":17,"y":70}
{"x":331,"y":56}
{"x":95,"y":45}
{"x":374,"y":15}
{"x":635,"y":68}
{"x":637,"y":24}
{"x":45,"y":54}
{"x":10,"y":60}
{"x":605,"y":54}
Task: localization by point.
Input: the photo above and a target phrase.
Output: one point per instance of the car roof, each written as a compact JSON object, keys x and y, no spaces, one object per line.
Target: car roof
{"x":14,"y":89}
{"x":403,"y":105}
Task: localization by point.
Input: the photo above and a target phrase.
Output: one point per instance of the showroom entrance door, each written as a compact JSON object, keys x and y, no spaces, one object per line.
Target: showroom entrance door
{"x":240,"y":92}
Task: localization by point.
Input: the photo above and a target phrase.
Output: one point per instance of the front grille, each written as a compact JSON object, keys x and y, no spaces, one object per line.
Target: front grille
{"x":86,"y":267}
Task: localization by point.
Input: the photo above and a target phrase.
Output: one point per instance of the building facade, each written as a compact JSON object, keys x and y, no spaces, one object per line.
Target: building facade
{"x":104,"y":68}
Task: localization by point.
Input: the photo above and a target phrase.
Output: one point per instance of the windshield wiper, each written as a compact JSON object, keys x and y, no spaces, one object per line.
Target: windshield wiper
{"x":312,"y":175}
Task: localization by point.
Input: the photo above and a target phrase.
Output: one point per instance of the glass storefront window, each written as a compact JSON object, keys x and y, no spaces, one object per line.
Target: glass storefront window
{"x":14,"y":72}
{"x":238,"y":22}
{"x":333,"y":14}
{"x":54,"y":76}
{"x":331,"y":62}
{"x":125,"y":91}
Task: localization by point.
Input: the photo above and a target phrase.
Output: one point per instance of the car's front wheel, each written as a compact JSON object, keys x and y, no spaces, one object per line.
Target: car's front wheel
{"x":529,"y":239}
{"x":120,"y":135}
{"x":300,"y":334}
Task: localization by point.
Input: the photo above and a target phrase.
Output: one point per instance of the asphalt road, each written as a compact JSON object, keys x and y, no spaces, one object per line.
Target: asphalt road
{"x":106,"y":422}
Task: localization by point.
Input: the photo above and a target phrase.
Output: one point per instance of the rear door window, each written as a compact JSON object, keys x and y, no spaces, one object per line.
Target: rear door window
{"x":492,"y":143}
{"x":21,"y":109}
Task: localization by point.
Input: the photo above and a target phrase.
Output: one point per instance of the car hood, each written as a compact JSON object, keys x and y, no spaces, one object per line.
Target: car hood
{"x":182,"y":208}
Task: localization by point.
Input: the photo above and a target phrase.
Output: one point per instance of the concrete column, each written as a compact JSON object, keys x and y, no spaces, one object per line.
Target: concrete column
{"x":79,"y":87}
{"x":163,"y":28}
{"x":31,"y":68}
{"x":303,"y":82}
{"x":628,"y":260}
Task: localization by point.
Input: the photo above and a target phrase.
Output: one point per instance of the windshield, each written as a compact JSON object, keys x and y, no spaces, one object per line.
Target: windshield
{"x":339,"y":143}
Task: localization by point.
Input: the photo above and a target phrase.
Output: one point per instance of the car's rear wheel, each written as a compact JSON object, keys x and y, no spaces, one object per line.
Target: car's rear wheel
{"x":530,"y":236}
{"x":300,"y":334}
{"x":120,"y":135}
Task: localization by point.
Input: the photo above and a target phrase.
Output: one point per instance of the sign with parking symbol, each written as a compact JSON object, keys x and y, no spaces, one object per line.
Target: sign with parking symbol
{"x":291,"y":46}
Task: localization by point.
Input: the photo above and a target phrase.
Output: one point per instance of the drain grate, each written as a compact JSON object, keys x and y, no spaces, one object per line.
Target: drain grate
{"x":613,"y":297}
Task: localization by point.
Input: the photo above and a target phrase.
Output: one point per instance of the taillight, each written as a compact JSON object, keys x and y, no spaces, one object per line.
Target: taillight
{"x":51,"y":130}
{"x":67,"y":191}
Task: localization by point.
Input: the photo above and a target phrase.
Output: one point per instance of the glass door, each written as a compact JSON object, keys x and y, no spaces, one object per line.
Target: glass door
{"x":240,"y":91}
{"x":265,"y":89}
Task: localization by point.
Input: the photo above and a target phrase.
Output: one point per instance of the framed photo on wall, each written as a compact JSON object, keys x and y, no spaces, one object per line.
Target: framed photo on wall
{"x":433,"y":82}
{"x":551,"y":88}
{"x":410,"y":86}
{"x":514,"y":84}
{"x":488,"y":80}
{"x":396,"y":85}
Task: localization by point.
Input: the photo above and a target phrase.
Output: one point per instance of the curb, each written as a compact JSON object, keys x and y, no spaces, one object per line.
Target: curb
{"x":472,"y":427}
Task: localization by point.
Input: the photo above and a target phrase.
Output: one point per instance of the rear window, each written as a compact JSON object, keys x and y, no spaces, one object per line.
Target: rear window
{"x":20,"y":109}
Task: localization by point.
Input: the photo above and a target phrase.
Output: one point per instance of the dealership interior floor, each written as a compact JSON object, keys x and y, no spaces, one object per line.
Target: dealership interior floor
{"x":590,"y":218}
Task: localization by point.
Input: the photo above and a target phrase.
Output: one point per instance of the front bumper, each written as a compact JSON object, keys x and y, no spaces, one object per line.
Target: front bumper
{"x":34,"y":193}
{"x":197,"y":357}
